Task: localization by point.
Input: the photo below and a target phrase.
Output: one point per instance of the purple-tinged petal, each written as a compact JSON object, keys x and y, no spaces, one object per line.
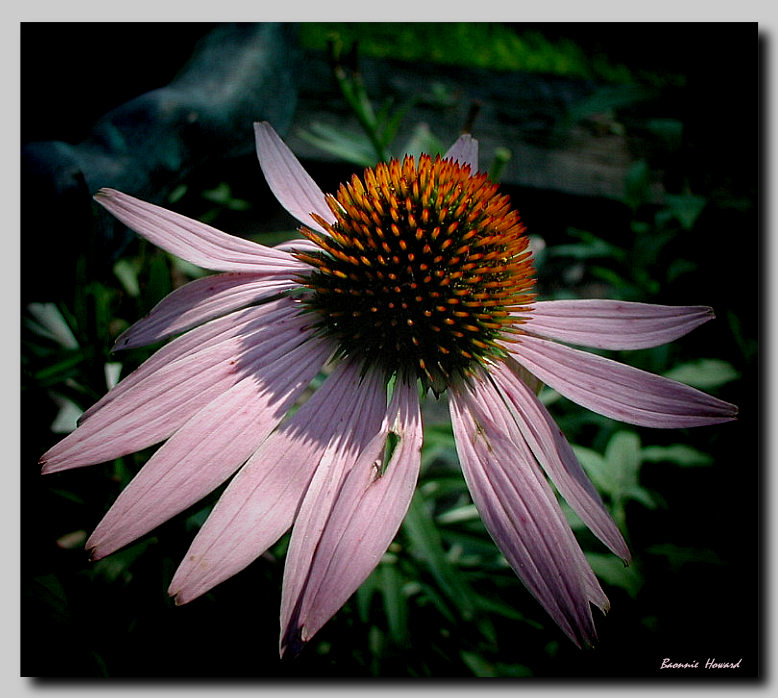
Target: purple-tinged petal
{"x":192,"y":240}
{"x":609,"y":324}
{"x":199,"y":301}
{"x":554,"y":454}
{"x":521,"y":513}
{"x":464,"y":151}
{"x":365,"y":514}
{"x":262,"y":500}
{"x":618,"y":391}
{"x":488,"y":410}
{"x":288,"y":180}
{"x":155,"y":407}
{"x":243,"y":323}
{"x":208,"y":449}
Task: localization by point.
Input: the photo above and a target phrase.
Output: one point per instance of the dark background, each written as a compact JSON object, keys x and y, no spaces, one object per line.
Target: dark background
{"x":73,"y":74}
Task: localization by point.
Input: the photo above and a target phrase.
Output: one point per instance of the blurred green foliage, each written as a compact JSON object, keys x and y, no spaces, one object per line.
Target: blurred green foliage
{"x":482,"y":44}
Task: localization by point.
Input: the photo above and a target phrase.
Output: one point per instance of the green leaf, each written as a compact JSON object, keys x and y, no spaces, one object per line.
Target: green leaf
{"x":493,"y":605}
{"x":678,"y":556}
{"x":514,"y":670}
{"x":186,"y":268}
{"x":589,"y":246}
{"x":395,"y":606}
{"x":502,"y":157}
{"x":222,"y":195}
{"x":686,"y":208}
{"x":50,"y":595}
{"x":159,"y":282}
{"x":623,"y":456}
{"x":364,"y":595}
{"x":426,"y":545}
{"x":421,"y":141}
{"x":67,"y":416}
{"x":616,"y":573}
{"x":466,"y":512}
{"x":127,"y":273}
{"x":704,"y":373}
{"x":606,"y":99}
{"x":680,"y":454}
{"x":637,"y":184}
{"x":46,"y":320}
{"x":616,"y":472}
{"x":388,"y":122}
{"x":351,"y":147}
{"x":478,"y":665}
{"x":117,"y":566}
{"x":639,"y":494}
{"x":669,"y":130}
{"x":60,"y":370}
{"x":596,"y":467}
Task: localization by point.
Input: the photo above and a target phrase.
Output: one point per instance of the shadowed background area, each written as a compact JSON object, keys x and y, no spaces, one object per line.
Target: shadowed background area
{"x":631,"y":153}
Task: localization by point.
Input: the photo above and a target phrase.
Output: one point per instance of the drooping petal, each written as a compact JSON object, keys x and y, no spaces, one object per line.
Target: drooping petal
{"x":192,"y":240}
{"x":365,"y":514}
{"x":522,"y":515}
{"x":553,"y":452}
{"x":465,"y":151}
{"x":242,"y":323}
{"x":618,"y":391}
{"x":260,"y":503}
{"x":609,"y":324}
{"x":493,"y":417}
{"x":288,"y":180}
{"x":199,"y":301}
{"x":209,"y":448}
{"x":155,"y":407}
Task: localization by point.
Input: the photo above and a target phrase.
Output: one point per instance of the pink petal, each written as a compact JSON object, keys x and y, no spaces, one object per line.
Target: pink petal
{"x":153,"y":408}
{"x":288,"y":180}
{"x":465,"y":151}
{"x":242,"y":323}
{"x":193,"y":241}
{"x":296,"y":244}
{"x":553,"y":453}
{"x":618,"y":391}
{"x":522,"y":515}
{"x":261,"y":501}
{"x":362,"y":519}
{"x":199,"y":301}
{"x":608,"y":324}
{"x":209,"y":448}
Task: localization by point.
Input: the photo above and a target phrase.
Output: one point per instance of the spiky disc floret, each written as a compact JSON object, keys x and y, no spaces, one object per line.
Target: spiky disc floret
{"x":423,"y":270}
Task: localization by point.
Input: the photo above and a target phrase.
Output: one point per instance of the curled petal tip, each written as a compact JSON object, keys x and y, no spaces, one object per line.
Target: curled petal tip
{"x":92,"y":547}
{"x":46,"y":467}
{"x":121,"y":343}
{"x":291,"y":644}
{"x":104,"y":193}
{"x":175,"y":595}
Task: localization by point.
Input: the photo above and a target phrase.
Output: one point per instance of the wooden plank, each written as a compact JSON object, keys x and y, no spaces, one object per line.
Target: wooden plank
{"x":523,"y":112}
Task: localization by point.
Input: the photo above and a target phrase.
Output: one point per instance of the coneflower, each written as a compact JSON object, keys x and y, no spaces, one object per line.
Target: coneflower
{"x":415,"y":277}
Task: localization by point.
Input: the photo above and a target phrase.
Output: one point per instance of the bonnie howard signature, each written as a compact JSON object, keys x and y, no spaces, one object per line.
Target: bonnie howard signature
{"x":710,"y":663}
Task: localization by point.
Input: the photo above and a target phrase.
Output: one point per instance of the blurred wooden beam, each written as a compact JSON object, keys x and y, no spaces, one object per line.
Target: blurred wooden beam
{"x":527,"y":113}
